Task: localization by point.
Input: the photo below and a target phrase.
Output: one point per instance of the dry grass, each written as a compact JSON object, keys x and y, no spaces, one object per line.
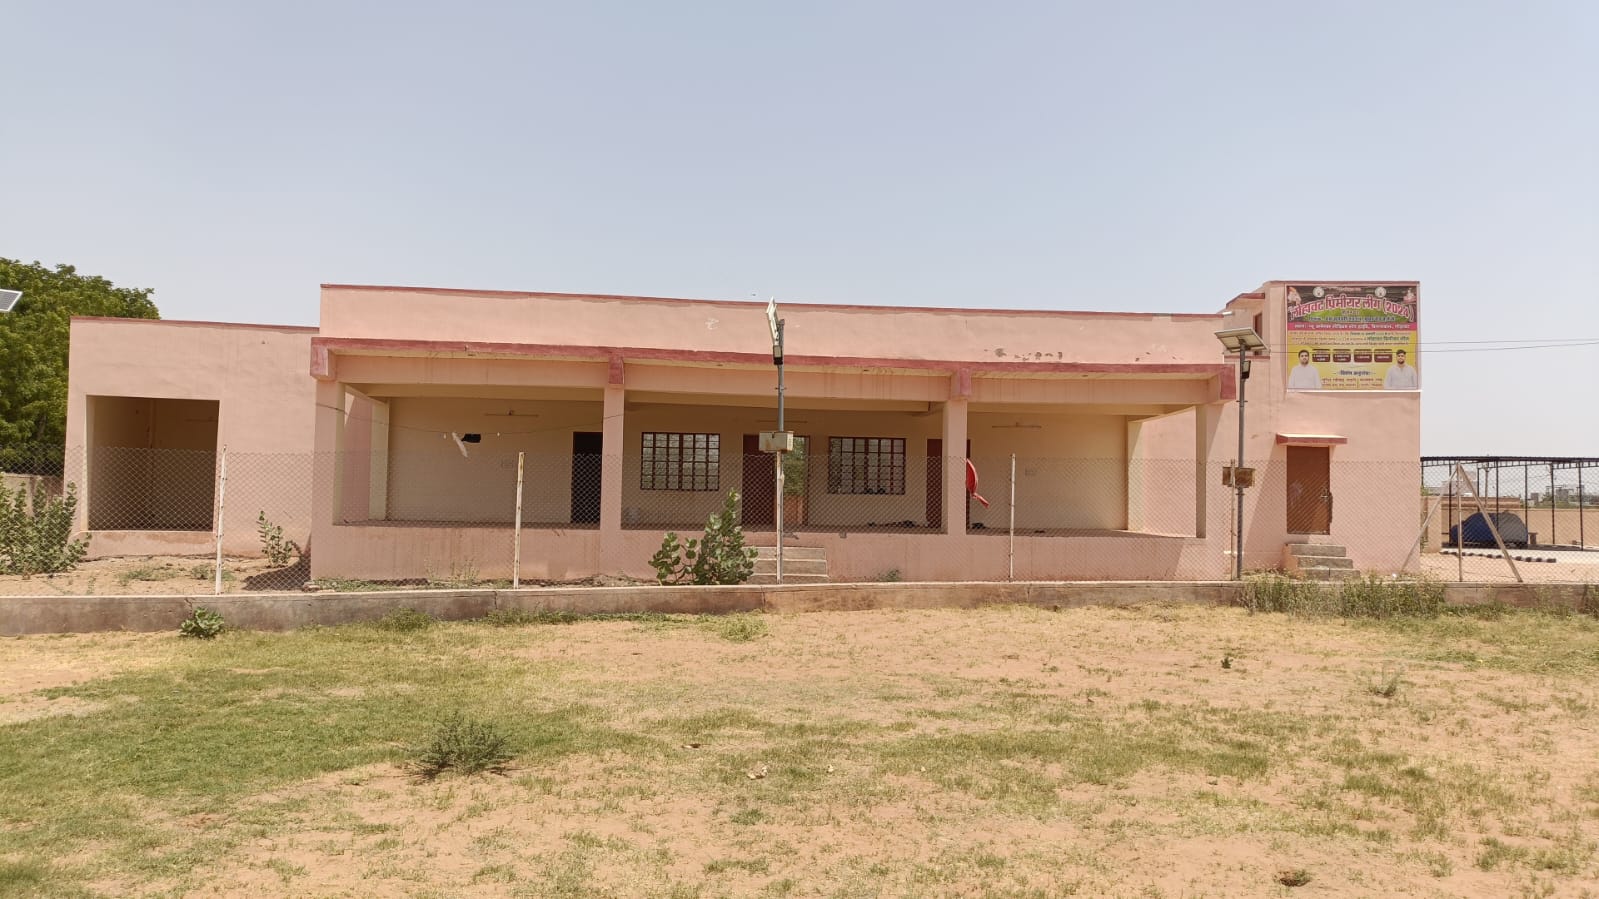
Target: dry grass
{"x":997,"y":752}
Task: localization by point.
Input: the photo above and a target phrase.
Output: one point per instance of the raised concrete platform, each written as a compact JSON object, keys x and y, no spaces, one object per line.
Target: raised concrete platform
{"x":285,"y":611}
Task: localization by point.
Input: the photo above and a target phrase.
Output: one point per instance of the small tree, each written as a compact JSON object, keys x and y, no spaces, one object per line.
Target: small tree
{"x":36,"y":535}
{"x":718,"y":557}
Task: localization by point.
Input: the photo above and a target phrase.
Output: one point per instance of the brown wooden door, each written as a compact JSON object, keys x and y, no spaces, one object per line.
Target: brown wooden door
{"x":758,"y":509}
{"x":1310,"y":502}
{"x":588,"y":449}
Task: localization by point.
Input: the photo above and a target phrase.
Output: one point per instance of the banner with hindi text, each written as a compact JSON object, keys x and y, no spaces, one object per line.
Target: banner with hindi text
{"x":1352,"y":336}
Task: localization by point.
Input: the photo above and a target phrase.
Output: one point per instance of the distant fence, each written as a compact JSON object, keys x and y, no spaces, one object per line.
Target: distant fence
{"x":463,"y":514}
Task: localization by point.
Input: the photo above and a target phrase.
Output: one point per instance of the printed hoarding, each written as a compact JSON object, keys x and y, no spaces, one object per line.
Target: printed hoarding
{"x":1352,"y":337}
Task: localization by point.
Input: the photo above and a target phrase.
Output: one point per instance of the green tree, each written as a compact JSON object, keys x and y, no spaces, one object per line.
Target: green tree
{"x":33,"y":344}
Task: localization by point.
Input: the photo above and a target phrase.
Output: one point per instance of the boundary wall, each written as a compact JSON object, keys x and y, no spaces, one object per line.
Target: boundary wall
{"x":24,"y":615}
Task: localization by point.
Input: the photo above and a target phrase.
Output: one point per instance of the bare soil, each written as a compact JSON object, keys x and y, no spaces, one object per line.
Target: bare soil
{"x":733,"y":813}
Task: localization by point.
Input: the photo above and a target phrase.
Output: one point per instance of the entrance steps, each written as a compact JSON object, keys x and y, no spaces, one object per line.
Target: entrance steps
{"x":1318,"y":561}
{"x":801,"y":565}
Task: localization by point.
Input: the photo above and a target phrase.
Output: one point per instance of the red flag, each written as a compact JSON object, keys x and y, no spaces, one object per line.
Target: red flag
{"x":971,"y":483}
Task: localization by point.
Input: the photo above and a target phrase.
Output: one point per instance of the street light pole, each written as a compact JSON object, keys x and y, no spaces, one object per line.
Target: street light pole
{"x":1238,"y":484}
{"x":779,"y":442}
{"x":1242,"y":341}
{"x":778,"y":348}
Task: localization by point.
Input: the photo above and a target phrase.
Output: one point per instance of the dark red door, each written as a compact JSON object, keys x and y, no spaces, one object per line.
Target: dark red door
{"x":758,"y":509}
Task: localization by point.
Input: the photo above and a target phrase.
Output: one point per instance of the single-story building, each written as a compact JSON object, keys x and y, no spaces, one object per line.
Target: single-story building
{"x":388,"y":439}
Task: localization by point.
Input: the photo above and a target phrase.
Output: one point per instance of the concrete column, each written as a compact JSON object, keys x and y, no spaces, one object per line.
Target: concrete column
{"x":325,"y":477}
{"x":378,"y":480}
{"x":1137,"y":477}
{"x":612,"y":548}
{"x":1207,"y":419}
{"x":955,"y":465}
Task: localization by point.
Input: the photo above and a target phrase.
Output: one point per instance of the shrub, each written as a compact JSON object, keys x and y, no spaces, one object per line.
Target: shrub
{"x":464,"y":745}
{"x":36,"y":536}
{"x":1368,"y":596}
{"x":202,"y":624}
{"x":718,"y":557}
{"x":278,"y":551}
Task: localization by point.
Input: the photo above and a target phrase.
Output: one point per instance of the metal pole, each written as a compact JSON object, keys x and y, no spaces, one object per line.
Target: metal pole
{"x":1582,"y":533}
{"x":1013,"y":516}
{"x":1457,"y":482}
{"x":222,"y":492}
{"x":1238,"y":487}
{"x":516,"y":546}
{"x":779,"y":456}
{"x":1552,"y":540}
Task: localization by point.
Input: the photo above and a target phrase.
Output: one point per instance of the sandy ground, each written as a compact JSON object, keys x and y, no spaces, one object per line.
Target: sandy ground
{"x":155,"y":576}
{"x":1483,"y":566}
{"x":622,"y":826}
{"x":191,"y":576}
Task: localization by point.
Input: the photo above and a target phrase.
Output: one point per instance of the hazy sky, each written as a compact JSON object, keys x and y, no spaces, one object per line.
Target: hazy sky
{"x":1115,"y":156}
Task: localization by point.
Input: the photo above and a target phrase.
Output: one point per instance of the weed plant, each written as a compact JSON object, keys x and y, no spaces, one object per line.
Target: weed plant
{"x":202,"y":624}
{"x":463,"y":745}
{"x":278,"y":551}
{"x":405,"y":621}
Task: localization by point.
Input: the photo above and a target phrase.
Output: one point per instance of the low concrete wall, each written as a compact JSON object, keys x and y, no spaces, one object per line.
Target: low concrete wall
{"x":286,"y":611}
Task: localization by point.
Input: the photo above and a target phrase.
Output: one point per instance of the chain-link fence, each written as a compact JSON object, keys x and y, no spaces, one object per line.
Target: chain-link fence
{"x":162,"y":520}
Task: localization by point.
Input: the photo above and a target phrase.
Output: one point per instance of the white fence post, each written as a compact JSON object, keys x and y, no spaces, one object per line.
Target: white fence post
{"x":516,"y":549}
{"x":1013,"y":516}
{"x":222,"y":492}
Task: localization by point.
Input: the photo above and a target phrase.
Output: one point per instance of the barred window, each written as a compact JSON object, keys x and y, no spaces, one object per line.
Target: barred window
{"x":681,"y":461}
{"x":866,"y":465}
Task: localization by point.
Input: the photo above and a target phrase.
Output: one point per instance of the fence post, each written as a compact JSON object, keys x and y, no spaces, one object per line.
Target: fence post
{"x":516,"y":549}
{"x":222,"y":493}
{"x":1013,"y":516}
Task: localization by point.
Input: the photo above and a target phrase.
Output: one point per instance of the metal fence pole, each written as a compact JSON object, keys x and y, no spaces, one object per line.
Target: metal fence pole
{"x":222,"y":493}
{"x":516,"y":546}
{"x":1013,"y":516}
{"x":1552,"y":503}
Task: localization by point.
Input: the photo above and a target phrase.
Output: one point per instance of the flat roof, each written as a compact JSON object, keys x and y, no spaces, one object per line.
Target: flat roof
{"x":760,"y":304}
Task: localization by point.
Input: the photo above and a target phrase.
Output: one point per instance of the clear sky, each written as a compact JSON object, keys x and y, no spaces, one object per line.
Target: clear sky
{"x":1114,"y":156}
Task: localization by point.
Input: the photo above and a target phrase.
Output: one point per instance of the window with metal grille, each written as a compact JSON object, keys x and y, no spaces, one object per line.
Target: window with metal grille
{"x":866,"y":465}
{"x":681,"y":461}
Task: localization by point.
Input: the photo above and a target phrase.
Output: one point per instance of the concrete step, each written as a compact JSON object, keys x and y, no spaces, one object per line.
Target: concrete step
{"x":1316,"y":550}
{"x":1338,"y":563}
{"x":791,"y":566}
{"x":1326,"y":573}
{"x":788,"y":577}
{"x":811,"y":553}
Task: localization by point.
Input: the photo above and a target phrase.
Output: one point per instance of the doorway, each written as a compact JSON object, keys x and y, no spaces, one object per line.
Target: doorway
{"x":588,"y":459}
{"x":935,"y":484}
{"x":1310,"y":501}
{"x":760,"y":484}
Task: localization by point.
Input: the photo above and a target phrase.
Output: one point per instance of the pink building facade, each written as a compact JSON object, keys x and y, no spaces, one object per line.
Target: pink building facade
{"x":408,"y":410}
